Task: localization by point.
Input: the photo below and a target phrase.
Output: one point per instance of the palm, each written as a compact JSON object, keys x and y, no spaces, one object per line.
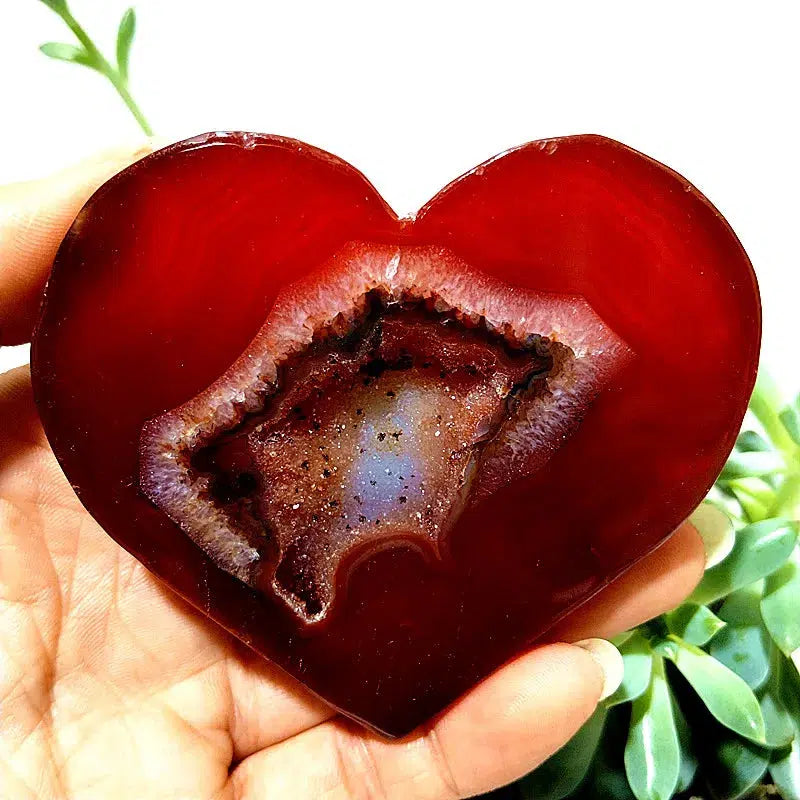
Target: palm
{"x":111,"y":686}
{"x":112,"y":676}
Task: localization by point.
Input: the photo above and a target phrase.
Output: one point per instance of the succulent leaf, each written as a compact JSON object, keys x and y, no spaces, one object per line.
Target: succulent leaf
{"x":726,"y":695}
{"x":765,"y":404}
{"x":733,"y":766}
{"x":759,"y":550}
{"x":743,"y":645}
{"x":564,"y":771}
{"x":621,"y":638}
{"x":749,"y":441}
{"x":694,"y":624}
{"x":722,"y":498}
{"x":790,"y":417}
{"x":785,"y":770}
{"x":638,"y":661}
{"x":689,"y":762}
{"x":652,"y":753}
{"x":744,"y":464}
{"x":755,"y":495}
{"x":607,"y":777}
{"x":785,"y":766}
{"x":777,"y":721}
{"x":780,"y":606}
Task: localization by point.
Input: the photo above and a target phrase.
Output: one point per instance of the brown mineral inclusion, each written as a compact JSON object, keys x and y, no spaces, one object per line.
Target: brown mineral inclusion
{"x":374,"y":439}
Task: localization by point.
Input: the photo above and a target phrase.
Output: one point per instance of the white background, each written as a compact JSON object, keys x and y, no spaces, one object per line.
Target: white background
{"x":414,"y":93}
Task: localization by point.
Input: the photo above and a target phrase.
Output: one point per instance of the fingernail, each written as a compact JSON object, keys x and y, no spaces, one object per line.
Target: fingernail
{"x":609,"y":660}
{"x":716,"y":531}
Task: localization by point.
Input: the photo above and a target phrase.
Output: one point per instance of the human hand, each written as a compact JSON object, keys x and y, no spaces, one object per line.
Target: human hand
{"x":112,"y":687}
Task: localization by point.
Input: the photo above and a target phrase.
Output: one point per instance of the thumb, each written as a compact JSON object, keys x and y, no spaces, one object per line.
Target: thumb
{"x":34,"y":218}
{"x":502,"y":729}
{"x":526,"y":712}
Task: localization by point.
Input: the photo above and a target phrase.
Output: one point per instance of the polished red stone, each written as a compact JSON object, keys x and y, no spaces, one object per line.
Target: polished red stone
{"x":172,"y":268}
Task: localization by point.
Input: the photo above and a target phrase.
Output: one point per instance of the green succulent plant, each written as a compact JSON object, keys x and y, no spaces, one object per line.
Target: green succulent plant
{"x":710,"y":702}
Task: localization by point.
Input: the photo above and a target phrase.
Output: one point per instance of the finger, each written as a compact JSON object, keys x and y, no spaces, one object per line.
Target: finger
{"x":501,"y":730}
{"x":28,"y":470}
{"x":657,"y":583}
{"x":34,"y":217}
{"x":16,"y":406}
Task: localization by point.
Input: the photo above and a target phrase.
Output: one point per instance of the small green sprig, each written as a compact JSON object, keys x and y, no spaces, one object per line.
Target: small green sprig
{"x":87,"y":54}
{"x":710,"y":701}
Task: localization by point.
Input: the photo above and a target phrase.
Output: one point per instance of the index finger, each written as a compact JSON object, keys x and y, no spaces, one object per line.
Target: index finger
{"x":34,"y":218}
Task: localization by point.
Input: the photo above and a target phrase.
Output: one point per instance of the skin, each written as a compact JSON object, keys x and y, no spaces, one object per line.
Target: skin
{"x":112,"y":686}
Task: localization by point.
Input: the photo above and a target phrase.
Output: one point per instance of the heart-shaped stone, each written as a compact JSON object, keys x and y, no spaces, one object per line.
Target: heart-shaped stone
{"x":390,"y":453}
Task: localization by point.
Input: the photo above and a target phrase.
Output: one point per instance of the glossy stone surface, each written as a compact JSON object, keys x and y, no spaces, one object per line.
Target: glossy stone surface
{"x":231,"y":250}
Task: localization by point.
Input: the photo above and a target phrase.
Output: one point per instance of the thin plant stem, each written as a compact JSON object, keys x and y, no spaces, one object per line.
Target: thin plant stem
{"x":102,"y":65}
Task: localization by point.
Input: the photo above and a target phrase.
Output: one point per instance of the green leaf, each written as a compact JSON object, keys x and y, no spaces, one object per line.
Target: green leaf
{"x":760,"y":549}
{"x":764,"y":403}
{"x":790,"y":417}
{"x":693,"y":623}
{"x":789,"y":687}
{"x":785,"y":770}
{"x":743,"y":645}
{"x":785,"y":766}
{"x":721,"y":498}
{"x":755,"y":496}
{"x":777,"y":720}
{"x":59,"y":6}
{"x":780,"y":606}
{"x":621,"y":638}
{"x":563,"y":772}
{"x":743,"y":464}
{"x":688,"y":758}
{"x":638,"y":661}
{"x":734,"y":766}
{"x":607,"y":777}
{"x":610,"y":784}
{"x":125,"y":34}
{"x":652,"y":753}
{"x":729,"y":699}
{"x":749,"y":441}
{"x":67,"y":52}
{"x":89,"y":55}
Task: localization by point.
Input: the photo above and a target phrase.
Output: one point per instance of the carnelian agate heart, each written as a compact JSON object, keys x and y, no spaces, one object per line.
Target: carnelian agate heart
{"x":388,"y":454}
